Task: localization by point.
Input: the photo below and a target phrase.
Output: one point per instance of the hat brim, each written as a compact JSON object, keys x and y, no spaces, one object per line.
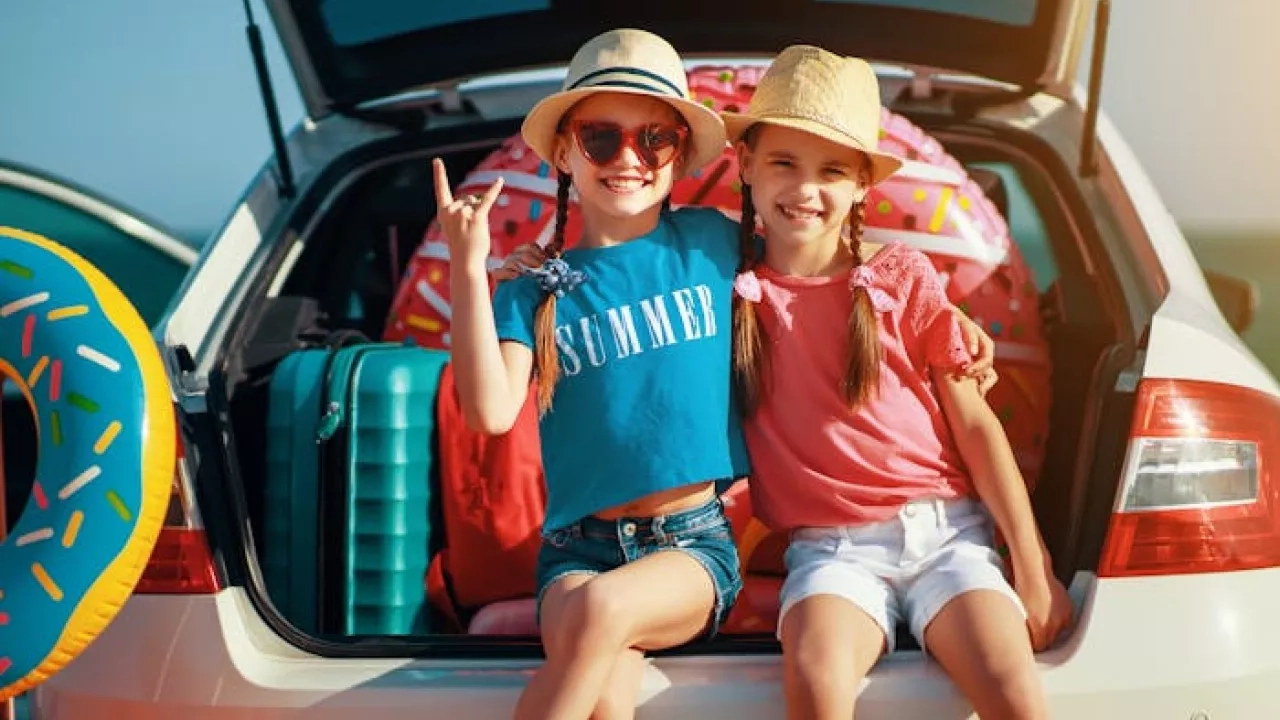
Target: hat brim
{"x":707,"y":139}
{"x":882,"y":164}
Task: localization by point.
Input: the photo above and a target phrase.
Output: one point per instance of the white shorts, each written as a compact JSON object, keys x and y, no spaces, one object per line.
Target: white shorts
{"x":906,"y":568}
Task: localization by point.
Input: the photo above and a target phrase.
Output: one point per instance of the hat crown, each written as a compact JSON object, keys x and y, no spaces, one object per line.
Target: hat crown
{"x":627,"y":62}
{"x":628,"y":56}
{"x":810,"y":83}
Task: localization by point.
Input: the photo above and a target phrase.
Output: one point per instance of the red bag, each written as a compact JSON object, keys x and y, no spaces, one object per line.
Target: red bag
{"x":493,"y":500}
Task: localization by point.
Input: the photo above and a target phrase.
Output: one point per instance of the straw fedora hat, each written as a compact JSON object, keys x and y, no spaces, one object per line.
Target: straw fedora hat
{"x":634,"y":62}
{"x":836,"y":98}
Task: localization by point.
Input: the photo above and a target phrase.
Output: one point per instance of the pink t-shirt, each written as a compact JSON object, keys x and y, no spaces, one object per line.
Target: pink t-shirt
{"x":814,"y":461}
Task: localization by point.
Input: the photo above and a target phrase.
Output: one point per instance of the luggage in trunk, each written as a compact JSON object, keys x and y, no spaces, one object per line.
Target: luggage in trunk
{"x":350,"y":465}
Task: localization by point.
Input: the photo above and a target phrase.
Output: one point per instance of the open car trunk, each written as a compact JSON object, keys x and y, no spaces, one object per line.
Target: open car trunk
{"x":349,"y":52}
{"x":362,"y":221}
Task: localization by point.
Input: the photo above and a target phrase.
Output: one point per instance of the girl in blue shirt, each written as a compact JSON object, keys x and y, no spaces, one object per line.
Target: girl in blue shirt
{"x":630,"y":333}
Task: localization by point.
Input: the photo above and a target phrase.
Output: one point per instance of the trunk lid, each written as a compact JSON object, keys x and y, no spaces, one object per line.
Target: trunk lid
{"x":346,"y":52}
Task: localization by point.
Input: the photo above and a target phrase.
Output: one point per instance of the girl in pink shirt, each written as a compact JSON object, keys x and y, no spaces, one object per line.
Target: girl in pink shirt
{"x":866,"y":440}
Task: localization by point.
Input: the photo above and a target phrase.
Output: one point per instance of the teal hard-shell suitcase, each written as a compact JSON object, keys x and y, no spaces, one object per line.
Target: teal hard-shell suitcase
{"x":350,"y":466}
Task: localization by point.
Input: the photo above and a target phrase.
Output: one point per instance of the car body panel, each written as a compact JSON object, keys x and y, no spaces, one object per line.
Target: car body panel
{"x":221,"y":661}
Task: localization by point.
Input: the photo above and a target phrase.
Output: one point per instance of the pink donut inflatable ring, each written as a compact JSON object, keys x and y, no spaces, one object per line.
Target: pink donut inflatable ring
{"x":932,"y":204}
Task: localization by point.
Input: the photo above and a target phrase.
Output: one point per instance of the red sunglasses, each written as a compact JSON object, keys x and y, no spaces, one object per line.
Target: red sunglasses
{"x":655,"y":144}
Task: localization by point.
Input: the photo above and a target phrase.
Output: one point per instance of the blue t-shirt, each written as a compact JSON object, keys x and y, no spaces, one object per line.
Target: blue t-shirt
{"x":644,"y":400}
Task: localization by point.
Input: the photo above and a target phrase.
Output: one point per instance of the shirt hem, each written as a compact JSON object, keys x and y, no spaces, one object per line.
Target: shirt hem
{"x":561,"y":524}
{"x":881,"y":513}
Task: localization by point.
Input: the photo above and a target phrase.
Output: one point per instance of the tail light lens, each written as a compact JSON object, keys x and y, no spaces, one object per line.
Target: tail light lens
{"x":181,"y":563}
{"x":1199,"y":491}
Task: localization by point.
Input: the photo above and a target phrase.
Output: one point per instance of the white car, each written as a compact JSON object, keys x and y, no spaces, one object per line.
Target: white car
{"x":1157,"y":500}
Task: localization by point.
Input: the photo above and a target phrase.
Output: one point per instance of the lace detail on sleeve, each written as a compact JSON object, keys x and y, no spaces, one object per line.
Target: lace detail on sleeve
{"x":944,"y":344}
{"x":936,"y":330}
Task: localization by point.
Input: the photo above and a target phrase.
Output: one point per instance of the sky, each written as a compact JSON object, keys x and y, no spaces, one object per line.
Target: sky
{"x":155,"y":102}
{"x":152,"y":102}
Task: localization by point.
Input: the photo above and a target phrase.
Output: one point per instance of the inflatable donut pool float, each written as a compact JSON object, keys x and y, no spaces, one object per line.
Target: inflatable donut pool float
{"x":86,"y":362}
{"x":932,"y":204}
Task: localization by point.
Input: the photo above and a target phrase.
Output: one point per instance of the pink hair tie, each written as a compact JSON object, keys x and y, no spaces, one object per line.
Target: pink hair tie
{"x":862,"y":277}
{"x":747,"y":286}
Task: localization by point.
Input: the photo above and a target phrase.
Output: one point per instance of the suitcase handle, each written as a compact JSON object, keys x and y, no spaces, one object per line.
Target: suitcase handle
{"x":329,"y":422}
{"x":338,"y":384}
{"x":335,"y":383}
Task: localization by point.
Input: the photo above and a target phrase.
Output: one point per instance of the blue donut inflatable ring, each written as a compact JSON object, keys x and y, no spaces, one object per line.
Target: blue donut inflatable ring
{"x":98,"y":391}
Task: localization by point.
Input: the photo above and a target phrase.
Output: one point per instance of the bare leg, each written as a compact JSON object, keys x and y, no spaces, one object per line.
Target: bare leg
{"x":659,"y":601}
{"x":620,"y":694}
{"x":550,"y":617}
{"x":981,"y":639}
{"x":828,"y":646}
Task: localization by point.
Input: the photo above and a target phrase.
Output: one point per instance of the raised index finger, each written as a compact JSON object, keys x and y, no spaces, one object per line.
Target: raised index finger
{"x":491,"y":195}
{"x":444,"y":196}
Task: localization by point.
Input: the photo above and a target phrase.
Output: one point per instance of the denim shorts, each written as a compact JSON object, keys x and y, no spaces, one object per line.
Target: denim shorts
{"x":593,"y":546}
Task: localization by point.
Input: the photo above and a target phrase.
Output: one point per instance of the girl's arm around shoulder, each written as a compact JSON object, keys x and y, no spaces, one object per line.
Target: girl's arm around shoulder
{"x":492,"y":377}
{"x":946,"y":335}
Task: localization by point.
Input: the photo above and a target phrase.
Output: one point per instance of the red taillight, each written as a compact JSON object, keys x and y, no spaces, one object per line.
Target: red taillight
{"x":181,"y":563}
{"x":1197,"y":494}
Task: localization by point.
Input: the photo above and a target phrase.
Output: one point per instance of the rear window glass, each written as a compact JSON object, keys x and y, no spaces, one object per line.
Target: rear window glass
{"x":353,"y":22}
{"x":1006,"y":12}
{"x":1026,"y":226}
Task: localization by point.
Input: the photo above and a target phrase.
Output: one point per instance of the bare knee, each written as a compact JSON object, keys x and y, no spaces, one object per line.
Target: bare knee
{"x":824,"y":667}
{"x":821,"y":666}
{"x":593,"y":618}
{"x":825,"y":637}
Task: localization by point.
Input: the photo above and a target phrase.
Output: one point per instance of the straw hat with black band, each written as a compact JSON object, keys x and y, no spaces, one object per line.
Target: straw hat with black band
{"x":633,"y":62}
